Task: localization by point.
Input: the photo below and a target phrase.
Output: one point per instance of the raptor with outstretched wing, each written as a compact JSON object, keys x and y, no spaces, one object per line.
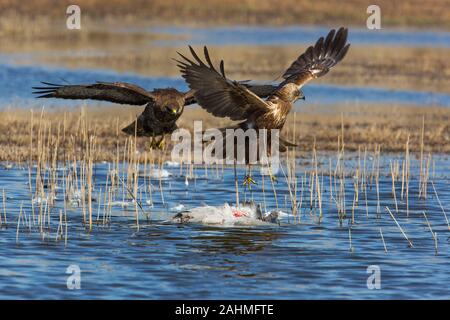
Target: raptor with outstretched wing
{"x":163,"y":107}
{"x":223,"y":97}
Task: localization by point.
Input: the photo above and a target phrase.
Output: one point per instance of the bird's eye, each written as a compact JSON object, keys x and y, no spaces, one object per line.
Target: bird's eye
{"x":171,"y":110}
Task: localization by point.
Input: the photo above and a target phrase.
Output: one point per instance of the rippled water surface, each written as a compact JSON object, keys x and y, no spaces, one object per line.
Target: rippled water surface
{"x":260,"y":35}
{"x":171,"y":261}
{"x":291,"y":260}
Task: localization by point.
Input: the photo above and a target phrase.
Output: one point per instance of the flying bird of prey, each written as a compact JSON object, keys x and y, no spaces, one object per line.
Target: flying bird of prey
{"x":163,"y":107}
{"x":223,"y":97}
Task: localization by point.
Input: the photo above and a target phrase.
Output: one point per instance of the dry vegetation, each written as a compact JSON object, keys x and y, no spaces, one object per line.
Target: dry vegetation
{"x":364,"y":127}
{"x":422,"y":69}
{"x":412,"y":13}
{"x":37,"y":31}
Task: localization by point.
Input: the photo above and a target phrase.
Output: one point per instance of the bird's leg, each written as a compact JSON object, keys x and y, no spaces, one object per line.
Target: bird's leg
{"x":160,"y":143}
{"x":153,"y":142}
{"x":273,"y":178}
{"x":248,"y":180}
{"x":236,"y":184}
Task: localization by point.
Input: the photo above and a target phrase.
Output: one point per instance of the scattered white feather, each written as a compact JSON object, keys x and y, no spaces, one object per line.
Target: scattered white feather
{"x":178,"y":207}
{"x":122,"y":204}
{"x":226,"y":215}
{"x":43,"y":200}
{"x":171,"y":164}
{"x":159,"y":173}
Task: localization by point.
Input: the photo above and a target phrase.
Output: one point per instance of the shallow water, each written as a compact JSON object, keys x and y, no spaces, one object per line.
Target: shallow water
{"x":16,"y":83}
{"x":16,"y":80}
{"x":293,"y":260}
{"x":169,"y":261}
{"x":261,"y":35}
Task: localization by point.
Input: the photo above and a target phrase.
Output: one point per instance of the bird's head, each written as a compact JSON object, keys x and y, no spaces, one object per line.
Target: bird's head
{"x":170,"y":101}
{"x":290,"y":92}
{"x":173,"y":108}
{"x":300,"y":95}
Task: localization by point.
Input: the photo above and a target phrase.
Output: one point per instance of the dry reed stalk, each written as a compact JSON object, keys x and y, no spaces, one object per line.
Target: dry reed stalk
{"x":384,"y":243}
{"x":301,"y":198}
{"x":357,"y":180}
{"x":353,"y":210}
{"x":272,"y":183}
{"x":291,"y":193}
{"x":318,"y":188}
{"x":99,"y":197}
{"x":403,"y":180}
{"x":18,"y":223}
{"x":407,"y":175}
{"x":294,"y":168}
{"x":364,"y":178}
{"x":161,"y":190}
{"x":436,"y":243}
{"x":4,"y":221}
{"x":135,"y":160}
{"x":330,"y":179}
{"x":421,"y":155}
{"x":433,"y":234}
{"x":398,"y":225}
{"x":440,"y":204}
{"x":426,"y":176}
{"x":59,"y":228}
{"x":351,"y":248}
{"x":393,"y":187}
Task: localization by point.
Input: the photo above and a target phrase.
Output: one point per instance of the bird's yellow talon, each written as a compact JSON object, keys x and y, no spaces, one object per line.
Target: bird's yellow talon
{"x":160,"y":145}
{"x":152,"y":144}
{"x":248,"y":181}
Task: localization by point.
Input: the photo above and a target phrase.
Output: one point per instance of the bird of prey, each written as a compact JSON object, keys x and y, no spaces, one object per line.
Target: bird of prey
{"x":163,"y":107}
{"x":223,"y":97}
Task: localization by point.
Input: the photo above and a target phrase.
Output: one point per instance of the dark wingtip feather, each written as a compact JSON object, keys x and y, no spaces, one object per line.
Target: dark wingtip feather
{"x":342,"y":53}
{"x":43,"y":91}
{"x":196,"y":57}
{"x":45,"y":96}
{"x":222,"y":69}
{"x":208,"y":59}
{"x":185,"y":58}
{"x":51,"y":84}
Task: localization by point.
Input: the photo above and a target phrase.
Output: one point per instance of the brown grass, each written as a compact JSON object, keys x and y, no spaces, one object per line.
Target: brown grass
{"x":400,"y":68}
{"x":364,"y":127}
{"x":421,"y":69}
{"x":38,"y":29}
{"x":412,"y":13}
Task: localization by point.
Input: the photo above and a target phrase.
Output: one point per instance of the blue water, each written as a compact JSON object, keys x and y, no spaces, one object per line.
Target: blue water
{"x":16,"y":82}
{"x":260,"y":35}
{"x":169,"y":261}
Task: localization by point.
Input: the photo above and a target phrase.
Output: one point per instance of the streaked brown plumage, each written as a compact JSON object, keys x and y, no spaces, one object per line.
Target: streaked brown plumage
{"x":226,"y":98}
{"x":163,"y":107}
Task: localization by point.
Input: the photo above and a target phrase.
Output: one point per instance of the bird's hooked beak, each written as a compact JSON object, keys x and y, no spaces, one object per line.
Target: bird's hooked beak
{"x":172,"y":110}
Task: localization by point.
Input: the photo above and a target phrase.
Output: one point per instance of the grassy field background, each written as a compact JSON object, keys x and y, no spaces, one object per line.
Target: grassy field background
{"x":364,"y":127}
{"x":34,"y":33}
{"x":411,"y":13}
